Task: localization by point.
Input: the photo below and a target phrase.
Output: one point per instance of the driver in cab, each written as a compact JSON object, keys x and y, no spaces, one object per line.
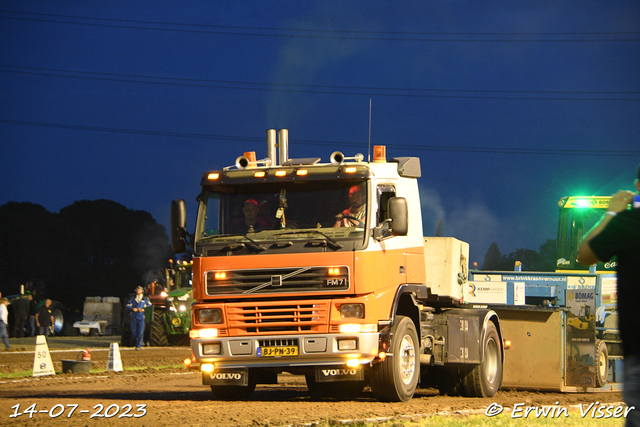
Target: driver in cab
{"x":250,"y":223}
{"x":353,"y":216}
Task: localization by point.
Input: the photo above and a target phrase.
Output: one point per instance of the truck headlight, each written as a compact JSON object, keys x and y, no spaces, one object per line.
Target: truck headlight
{"x":352,"y":311}
{"x":210,"y":315}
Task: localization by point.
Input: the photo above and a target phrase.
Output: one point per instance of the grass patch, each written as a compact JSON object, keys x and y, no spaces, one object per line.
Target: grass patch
{"x":573,"y":420}
{"x":18,"y":374}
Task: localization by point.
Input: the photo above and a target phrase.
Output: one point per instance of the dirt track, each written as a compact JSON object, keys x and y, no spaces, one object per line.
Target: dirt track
{"x":176,"y":395}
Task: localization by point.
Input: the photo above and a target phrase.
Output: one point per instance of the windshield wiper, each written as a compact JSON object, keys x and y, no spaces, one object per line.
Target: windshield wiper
{"x":256,"y":247}
{"x":335,"y":245}
{"x":253,"y":245}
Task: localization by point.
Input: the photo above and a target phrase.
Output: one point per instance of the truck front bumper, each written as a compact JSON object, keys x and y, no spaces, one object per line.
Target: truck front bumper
{"x":294,"y":350}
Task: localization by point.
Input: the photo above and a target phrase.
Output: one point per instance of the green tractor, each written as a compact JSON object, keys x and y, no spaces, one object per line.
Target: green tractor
{"x":168,"y":320}
{"x":170,"y":316}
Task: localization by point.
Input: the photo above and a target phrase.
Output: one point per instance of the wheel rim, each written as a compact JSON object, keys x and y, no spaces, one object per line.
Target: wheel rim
{"x":602,"y":368}
{"x":407,"y":360}
{"x":491,"y":361}
{"x":58,"y":321}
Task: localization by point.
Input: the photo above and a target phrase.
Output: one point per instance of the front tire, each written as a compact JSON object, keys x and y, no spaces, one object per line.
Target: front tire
{"x":396,"y":377}
{"x":485,"y":379}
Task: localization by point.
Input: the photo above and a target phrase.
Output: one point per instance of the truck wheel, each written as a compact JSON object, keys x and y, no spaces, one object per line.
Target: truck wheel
{"x":396,"y":377}
{"x":485,"y":379}
{"x":449,"y":381}
{"x":602,"y":363}
{"x":158,"y":330}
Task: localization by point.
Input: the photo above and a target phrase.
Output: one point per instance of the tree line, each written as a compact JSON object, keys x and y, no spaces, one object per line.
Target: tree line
{"x":89,"y":248}
{"x":544,"y":259}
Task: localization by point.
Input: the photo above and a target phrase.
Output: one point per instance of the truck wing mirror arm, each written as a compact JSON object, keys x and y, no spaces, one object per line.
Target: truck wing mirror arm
{"x":382,"y":231}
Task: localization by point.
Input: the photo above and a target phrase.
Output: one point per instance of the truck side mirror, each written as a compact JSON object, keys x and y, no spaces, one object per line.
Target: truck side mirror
{"x":399,"y":214}
{"x":397,"y":224}
{"x":178,"y":226}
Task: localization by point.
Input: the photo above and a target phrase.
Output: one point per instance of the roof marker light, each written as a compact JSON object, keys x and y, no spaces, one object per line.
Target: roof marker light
{"x":350,"y":169}
{"x":379,"y":153}
{"x":281,"y":173}
{"x":302,"y":172}
{"x":213,"y":175}
{"x":259,"y":174}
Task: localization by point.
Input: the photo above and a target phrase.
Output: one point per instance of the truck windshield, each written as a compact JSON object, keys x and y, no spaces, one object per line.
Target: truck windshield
{"x":277,"y":211}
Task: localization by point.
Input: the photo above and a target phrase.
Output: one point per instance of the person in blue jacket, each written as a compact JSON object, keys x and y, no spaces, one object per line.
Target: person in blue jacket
{"x":136,"y":305}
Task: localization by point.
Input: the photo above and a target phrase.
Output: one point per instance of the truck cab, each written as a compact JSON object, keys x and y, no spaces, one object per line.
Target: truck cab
{"x":317,"y":269}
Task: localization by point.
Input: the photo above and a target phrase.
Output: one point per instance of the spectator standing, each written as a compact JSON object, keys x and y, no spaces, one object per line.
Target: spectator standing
{"x":21,"y":312}
{"x":44,"y":318}
{"x":4,"y":321}
{"x":137,"y":305}
{"x":33,"y":310}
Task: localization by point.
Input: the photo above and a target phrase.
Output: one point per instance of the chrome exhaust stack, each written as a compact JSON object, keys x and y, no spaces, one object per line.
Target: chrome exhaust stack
{"x":283,"y":145}
{"x":248,"y":160}
{"x":271,"y":146}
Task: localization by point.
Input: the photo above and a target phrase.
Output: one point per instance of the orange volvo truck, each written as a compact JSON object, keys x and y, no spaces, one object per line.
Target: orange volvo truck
{"x":322,"y":270}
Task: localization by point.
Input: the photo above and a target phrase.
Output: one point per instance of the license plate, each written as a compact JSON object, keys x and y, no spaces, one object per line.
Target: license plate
{"x":277,"y":351}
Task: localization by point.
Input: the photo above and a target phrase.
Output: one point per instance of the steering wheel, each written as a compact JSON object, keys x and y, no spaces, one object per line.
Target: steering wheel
{"x":353,"y":218}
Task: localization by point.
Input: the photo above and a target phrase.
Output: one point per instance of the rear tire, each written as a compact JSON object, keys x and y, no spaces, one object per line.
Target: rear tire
{"x":158,"y":330}
{"x":485,"y":379}
{"x":396,"y":377}
{"x":449,"y":381}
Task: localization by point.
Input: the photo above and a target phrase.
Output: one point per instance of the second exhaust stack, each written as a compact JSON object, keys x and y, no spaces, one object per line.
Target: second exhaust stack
{"x":282,"y":144}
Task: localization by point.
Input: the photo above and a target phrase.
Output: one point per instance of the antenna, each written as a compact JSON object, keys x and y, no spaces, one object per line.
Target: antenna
{"x":369,"y":149}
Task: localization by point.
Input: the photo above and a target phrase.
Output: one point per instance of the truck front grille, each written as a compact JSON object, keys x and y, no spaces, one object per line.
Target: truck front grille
{"x":277,"y":280}
{"x":274,"y":317}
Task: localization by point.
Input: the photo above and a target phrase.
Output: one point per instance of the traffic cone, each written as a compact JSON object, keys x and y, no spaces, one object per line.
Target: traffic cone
{"x":86,"y":355}
{"x":42,"y":364}
{"x":115,"y":361}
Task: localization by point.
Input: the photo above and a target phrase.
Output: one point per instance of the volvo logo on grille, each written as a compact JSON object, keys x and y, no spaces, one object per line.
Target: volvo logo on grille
{"x":276,"y":280}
